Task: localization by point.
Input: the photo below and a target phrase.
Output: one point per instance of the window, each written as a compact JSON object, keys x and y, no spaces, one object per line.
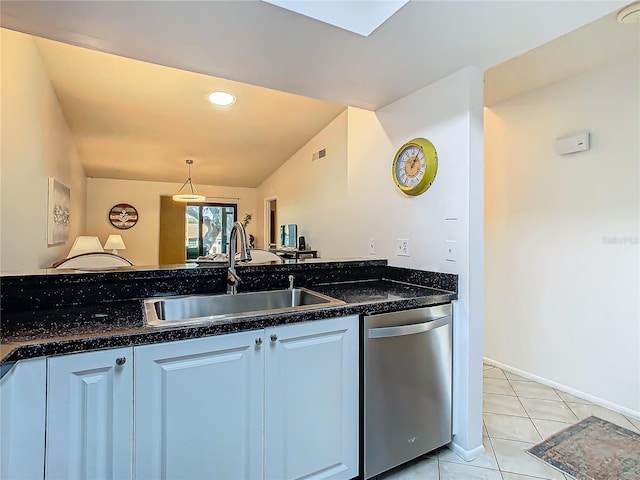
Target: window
{"x":208,"y":226}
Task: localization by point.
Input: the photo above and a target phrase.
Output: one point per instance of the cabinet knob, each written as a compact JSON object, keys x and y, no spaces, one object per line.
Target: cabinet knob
{"x":121,"y":361}
{"x":274,"y":337}
{"x":259,"y":341}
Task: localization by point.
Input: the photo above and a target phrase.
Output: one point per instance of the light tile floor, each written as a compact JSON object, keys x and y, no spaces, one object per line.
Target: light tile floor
{"x":517,"y":414}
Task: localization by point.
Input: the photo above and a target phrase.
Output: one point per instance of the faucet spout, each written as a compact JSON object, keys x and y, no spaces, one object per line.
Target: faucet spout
{"x":244,"y":256}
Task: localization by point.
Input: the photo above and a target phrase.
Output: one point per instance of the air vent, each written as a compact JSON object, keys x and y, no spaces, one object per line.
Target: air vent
{"x":319,"y":154}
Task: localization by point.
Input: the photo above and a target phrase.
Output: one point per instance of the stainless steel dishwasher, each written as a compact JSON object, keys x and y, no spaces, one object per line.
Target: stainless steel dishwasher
{"x":407,"y":368}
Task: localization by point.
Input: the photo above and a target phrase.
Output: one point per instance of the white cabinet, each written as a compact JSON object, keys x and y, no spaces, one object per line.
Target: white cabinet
{"x":90,"y":415}
{"x":199,"y":408}
{"x":22,"y":420}
{"x":280,"y":404}
{"x":311,"y":398}
{"x":203,"y":409}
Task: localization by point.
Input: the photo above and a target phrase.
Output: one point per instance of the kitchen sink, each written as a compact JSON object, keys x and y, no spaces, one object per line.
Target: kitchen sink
{"x":212,"y":308}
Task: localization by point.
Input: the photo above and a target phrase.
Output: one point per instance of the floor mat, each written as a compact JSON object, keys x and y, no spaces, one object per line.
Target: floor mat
{"x":593,"y":449}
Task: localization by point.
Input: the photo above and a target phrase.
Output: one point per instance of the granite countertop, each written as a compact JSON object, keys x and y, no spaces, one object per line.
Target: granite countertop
{"x":64,"y":329}
{"x":371,"y":292}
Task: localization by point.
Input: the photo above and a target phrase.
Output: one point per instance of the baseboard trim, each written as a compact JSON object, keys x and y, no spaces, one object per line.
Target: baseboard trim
{"x":466,"y":455}
{"x":571,"y":391}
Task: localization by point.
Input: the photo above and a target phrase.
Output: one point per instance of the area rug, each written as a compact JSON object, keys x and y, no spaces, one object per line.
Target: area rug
{"x":593,"y":449}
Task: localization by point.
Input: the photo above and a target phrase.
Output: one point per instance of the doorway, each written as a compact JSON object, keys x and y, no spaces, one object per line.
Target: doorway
{"x":271,"y":222}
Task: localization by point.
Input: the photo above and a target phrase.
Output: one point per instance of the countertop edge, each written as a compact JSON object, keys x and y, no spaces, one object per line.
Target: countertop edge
{"x":14,"y":351}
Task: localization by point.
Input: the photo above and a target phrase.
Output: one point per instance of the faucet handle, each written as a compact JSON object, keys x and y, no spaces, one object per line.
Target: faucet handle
{"x":291,"y":278}
{"x":233,"y":279}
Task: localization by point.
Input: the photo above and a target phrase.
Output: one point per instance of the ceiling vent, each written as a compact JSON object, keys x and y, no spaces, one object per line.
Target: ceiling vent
{"x":319,"y":154}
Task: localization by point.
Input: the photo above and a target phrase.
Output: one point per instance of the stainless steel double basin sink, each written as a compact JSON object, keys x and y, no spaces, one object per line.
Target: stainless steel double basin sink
{"x":211,"y":308}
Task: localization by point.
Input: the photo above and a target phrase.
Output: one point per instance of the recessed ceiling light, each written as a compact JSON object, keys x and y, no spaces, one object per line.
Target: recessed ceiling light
{"x":221,"y":98}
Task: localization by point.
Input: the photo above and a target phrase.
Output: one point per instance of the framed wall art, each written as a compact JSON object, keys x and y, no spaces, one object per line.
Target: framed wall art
{"x":123,"y":216}
{"x":59,"y":212}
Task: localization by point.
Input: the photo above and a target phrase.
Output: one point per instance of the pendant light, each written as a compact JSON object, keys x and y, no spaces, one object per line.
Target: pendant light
{"x":189,"y":194}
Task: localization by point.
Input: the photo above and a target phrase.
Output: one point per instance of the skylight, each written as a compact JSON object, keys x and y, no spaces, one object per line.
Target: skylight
{"x":355,"y":16}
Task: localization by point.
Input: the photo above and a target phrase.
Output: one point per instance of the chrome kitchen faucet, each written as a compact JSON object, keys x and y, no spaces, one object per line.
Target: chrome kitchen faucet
{"x":245,"y":256}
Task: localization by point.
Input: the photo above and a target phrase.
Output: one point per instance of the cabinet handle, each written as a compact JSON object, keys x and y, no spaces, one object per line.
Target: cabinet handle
{"x":121,"y":361}
{"x":274,"y":337}
{"x":258,"y":341}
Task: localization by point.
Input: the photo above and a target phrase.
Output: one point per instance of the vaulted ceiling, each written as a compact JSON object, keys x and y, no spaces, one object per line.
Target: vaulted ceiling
{"x":215,"y":44}
{"x":135,"y":120}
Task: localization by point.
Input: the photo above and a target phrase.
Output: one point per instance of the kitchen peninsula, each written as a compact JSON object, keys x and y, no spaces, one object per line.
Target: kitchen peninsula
{"x":266,"y":371}
{"x":56,"y":312}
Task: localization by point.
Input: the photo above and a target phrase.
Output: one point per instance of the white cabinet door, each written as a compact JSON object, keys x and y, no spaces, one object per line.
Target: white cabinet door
{"x":199,"y":408}
{"x":90,"y":415}
{"x":22,"y":420}
{"x":311,"y":413}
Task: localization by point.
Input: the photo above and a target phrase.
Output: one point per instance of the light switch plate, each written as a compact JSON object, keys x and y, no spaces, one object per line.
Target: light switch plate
{"x":451,"y":208}
{"x":372,"y":247}
{"x":452,"y":251}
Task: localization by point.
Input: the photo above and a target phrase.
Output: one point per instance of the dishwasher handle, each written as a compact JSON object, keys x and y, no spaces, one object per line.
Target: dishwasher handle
{"x":385,"y":332}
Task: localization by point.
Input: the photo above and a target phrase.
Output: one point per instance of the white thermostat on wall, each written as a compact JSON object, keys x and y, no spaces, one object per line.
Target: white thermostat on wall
{"x":573,"y":143}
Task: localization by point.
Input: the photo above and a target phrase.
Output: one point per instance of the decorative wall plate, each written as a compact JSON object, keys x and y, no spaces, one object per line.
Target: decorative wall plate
{"x":123,"y":216}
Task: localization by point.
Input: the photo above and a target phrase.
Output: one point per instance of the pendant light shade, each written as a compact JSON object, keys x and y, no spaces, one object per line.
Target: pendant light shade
{"x":188,"y":192}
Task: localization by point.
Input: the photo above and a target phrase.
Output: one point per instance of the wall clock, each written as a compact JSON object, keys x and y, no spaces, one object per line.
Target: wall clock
{"x":123,"y":216}
{"x":415,"y":166}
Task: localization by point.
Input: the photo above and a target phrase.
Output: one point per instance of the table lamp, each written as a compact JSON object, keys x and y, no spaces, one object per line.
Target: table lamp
{"x":85,"y":244}
{"x":114,"y":243}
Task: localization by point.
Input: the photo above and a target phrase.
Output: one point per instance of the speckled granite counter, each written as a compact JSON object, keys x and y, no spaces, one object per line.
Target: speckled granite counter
{"x":53,"y":314}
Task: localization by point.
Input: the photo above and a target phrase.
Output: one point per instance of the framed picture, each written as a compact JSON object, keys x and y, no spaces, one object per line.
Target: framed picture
{"x":59,"y":212}
{"x":123,"y":216}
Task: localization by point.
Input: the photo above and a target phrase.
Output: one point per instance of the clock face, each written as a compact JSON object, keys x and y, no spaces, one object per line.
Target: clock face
{"x":415,"y":166}
{"x":410,"y":166}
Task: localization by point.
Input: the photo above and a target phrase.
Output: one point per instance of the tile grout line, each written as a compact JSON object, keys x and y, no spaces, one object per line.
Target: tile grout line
{"x":577,"y":419}
{"x":528,"y":416}
{"x":493,"y":449}
{"x":567,"y":405}
{"x":530,"y":419}
{"x":520,"y":402}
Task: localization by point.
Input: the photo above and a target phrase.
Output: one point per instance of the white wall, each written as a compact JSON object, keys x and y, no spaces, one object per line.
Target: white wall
{"x":312,"y":194}
{"x":141,"y":240}
{"x":449,"y":114}
{"x":35,"y":144}
{"x":562,"y":258}
{"x":362,"y":203}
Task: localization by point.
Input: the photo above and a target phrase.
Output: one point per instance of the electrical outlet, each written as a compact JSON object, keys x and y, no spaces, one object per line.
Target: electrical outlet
{"x":452,"y":251}
{"x":402,"y":247}
{"x":372,"y":247}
